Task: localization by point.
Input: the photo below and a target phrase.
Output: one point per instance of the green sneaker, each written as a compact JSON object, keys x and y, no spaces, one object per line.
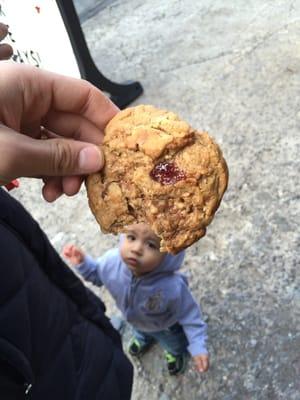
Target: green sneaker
{"x":176,"y":364}
{"x":136,"y":348}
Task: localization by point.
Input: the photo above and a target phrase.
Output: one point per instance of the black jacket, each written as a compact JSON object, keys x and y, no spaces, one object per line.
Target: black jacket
{"x":55,"y":341}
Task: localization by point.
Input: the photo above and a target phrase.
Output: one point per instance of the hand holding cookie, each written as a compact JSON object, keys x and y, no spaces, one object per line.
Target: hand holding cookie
{"x":71,"y":113}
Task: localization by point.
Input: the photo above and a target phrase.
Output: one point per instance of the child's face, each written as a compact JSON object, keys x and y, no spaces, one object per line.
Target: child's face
{"x":140,"y":249}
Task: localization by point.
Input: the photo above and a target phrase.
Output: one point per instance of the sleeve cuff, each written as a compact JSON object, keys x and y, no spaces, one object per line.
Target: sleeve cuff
{"x":85,"y":266}
{"x":197,"y":348}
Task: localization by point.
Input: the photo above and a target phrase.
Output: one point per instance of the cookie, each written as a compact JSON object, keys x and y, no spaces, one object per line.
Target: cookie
{"x":160,"y":171}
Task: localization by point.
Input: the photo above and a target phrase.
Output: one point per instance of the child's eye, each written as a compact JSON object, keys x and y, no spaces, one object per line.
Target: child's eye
{"x":152,"y":246}
{"x":130,"y":237}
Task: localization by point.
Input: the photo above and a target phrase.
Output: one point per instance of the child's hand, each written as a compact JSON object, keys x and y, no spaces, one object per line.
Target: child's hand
{"x":201,"y":362}
{"x":73,"y":254}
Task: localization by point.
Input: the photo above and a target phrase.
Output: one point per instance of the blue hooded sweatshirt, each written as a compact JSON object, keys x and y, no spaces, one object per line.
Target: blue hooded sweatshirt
{"x":152,"y":302}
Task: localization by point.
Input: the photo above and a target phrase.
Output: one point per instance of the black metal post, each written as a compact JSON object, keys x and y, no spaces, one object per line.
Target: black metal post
{"x":120,"y":94}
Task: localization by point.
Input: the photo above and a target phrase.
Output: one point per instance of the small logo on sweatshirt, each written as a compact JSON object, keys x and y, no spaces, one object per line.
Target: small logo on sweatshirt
{"x":154,"y":302}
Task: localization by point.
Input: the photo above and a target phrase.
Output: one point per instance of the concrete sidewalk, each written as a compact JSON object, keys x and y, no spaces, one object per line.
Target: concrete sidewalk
{"x":233,"y":69}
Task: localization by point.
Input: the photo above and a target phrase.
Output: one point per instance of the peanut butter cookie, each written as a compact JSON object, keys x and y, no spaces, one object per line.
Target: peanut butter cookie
{"x":160,"y":171}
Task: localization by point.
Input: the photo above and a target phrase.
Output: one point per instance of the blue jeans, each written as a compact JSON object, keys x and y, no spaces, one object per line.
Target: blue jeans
{"x":172,"y":339}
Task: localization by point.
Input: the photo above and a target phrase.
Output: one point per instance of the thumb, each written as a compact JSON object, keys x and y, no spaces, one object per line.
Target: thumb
{"x":69,"y":157}
{"x":24,"y":156}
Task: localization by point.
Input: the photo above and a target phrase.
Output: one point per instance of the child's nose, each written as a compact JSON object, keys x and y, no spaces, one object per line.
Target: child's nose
{"x":137,"y":247}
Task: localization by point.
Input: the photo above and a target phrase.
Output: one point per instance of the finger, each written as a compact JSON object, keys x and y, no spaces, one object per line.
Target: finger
{"x":24,"y":156}
{"x":71,"y":184}
{"x":37,"y":92}
{"x":3,"y":30}
{"x":52,"y":189}
{"x":77,"y":252}
{"x":205,"y":364}
{"x":200,"y":366}
{"x":70,"y":254}
{"x":34,"y":130}
{"x":67,"y":250}
{"x":55,"y":187}
{"x":81,"y":97}
{"x":73,"y":126}
{"x":6,"y":51}
{"x":72,"y":247}
{"x":66,"y":253}
{"x":47,"y":134}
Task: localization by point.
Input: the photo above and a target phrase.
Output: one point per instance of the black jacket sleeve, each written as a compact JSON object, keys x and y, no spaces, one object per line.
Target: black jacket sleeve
{"x":11,"y":384}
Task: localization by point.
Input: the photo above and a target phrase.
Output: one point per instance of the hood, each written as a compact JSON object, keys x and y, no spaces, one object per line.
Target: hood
{"x":171,"y":263}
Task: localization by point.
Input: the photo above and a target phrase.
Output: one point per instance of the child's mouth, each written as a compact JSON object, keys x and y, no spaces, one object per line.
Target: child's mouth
{"x":132,"y":261}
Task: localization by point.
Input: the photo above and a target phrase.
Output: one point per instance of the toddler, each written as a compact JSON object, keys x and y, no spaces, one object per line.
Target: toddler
{"x":152,"y":295}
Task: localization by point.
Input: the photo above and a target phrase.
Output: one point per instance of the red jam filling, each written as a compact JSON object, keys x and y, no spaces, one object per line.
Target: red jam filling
{"x":167,"y":173}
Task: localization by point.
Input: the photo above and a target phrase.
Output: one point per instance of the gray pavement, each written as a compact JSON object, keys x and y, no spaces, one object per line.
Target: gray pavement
{"x":232,"y":68}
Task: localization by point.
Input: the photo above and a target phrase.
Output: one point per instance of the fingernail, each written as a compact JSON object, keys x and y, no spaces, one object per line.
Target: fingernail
{"x":90,"y":159}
